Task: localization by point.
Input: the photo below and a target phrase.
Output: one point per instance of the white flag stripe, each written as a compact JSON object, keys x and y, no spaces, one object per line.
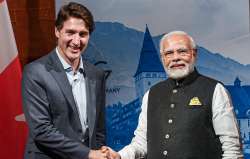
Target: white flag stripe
{"x":8,"y":49}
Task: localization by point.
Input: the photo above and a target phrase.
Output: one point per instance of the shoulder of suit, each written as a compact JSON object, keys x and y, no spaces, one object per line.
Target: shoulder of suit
{"x":37,"y":64}
{"x":92,"y":67}
{"x":161,"y":85}
{"x":209,"y":80}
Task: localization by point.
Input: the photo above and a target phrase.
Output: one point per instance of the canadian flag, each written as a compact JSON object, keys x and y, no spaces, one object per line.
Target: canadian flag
{"x":13,"y":129}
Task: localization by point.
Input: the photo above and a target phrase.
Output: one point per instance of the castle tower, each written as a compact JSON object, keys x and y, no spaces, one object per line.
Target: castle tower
{"x":237,"y":82}
{"x":149,"y":70}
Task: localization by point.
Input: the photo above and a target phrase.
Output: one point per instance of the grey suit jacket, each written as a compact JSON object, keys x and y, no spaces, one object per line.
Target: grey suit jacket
{"x":51,"y":113}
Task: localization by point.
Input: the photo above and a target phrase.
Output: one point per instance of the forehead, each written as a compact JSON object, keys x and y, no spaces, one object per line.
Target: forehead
{"x":176,"y":41}
{"x":73,"y":22}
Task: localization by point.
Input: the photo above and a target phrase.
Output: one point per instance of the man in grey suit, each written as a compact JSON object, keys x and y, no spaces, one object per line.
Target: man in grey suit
{"x":64,"y":96}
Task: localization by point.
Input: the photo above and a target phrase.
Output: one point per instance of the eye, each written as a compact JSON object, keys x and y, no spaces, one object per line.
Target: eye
{"x":83,"y":34}
{"x":69,"y":32}
{"x":167,"y":53}
{"x":182,"y":51}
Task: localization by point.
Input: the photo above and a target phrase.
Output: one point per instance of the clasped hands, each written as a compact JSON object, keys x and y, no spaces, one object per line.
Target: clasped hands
{"x":104,"y":153}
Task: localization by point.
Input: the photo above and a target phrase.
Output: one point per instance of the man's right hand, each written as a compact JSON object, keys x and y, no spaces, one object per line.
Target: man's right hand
{"x":110,"y":152}
{"x":97,"y":154}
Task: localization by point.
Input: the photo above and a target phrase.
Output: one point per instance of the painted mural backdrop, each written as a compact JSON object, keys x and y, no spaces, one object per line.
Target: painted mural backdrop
{"x":125,"y":45}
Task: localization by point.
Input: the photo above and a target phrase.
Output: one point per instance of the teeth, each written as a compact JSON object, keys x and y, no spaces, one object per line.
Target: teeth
{"x":73,"y":47}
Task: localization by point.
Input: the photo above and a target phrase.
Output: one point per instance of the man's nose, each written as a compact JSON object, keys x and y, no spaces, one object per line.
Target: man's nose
{"x":76,"y":39}
{"x":175,"y":56}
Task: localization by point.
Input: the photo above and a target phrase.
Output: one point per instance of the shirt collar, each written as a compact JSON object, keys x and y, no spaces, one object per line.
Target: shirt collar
{"x":67,"y":67}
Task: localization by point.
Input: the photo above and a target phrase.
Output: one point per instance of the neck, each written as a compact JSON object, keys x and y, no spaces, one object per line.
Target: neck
{"x":73,"y":63}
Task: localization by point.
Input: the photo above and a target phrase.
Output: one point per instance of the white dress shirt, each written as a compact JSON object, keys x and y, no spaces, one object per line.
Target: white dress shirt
{"x":77,"y":82}
{"x":224,"y":123}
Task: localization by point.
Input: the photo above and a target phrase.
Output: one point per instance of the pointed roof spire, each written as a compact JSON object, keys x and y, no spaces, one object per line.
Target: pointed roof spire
{"x":149,"y":59}
{"x":237,"y":82}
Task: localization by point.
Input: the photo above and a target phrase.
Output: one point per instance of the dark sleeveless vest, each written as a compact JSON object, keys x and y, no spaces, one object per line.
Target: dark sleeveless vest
{"x":179,"y":123}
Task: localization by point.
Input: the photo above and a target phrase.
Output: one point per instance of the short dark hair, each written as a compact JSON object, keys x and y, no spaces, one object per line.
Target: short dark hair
{"x":75,"y":10}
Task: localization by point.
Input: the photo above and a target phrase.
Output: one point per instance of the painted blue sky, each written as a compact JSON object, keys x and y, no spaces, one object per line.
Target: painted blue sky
{"x":219,"y":25}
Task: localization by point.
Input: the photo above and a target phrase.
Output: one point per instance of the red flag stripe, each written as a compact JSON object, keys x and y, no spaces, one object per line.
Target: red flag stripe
{"x":13,"y":133}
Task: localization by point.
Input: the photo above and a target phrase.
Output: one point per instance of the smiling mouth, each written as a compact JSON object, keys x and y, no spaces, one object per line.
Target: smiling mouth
{"x":75,"y":49}
{"x":177,"y":66}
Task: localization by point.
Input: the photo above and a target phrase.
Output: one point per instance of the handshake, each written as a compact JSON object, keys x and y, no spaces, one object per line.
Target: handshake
{"x":104,"y":153}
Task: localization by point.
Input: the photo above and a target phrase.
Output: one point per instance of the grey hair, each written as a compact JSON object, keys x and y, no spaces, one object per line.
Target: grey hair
{"x":193,"y":44}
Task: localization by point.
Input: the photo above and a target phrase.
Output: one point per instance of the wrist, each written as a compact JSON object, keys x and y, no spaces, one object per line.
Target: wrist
{"x":91,"y":153}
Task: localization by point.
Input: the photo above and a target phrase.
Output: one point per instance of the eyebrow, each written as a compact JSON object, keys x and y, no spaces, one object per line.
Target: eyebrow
{"x":70,"y":31}
{"x":181,"y":48}
{"x":75,"y":31}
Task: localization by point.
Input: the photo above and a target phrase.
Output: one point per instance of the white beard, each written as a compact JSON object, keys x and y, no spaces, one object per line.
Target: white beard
{"x":179,"y":73}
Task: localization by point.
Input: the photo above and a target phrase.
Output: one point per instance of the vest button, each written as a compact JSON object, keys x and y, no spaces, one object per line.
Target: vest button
{"x":165,"y":153}
{"x":170,"y":121}
{"x":175,"y":91}
{"x":167,"y":136}
{"x":172,"y":105}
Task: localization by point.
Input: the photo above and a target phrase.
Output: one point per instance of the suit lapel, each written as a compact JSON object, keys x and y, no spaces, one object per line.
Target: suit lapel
{"x":91,"y":98}
{"x":60,"y":76}
{"x":57,"y":71}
